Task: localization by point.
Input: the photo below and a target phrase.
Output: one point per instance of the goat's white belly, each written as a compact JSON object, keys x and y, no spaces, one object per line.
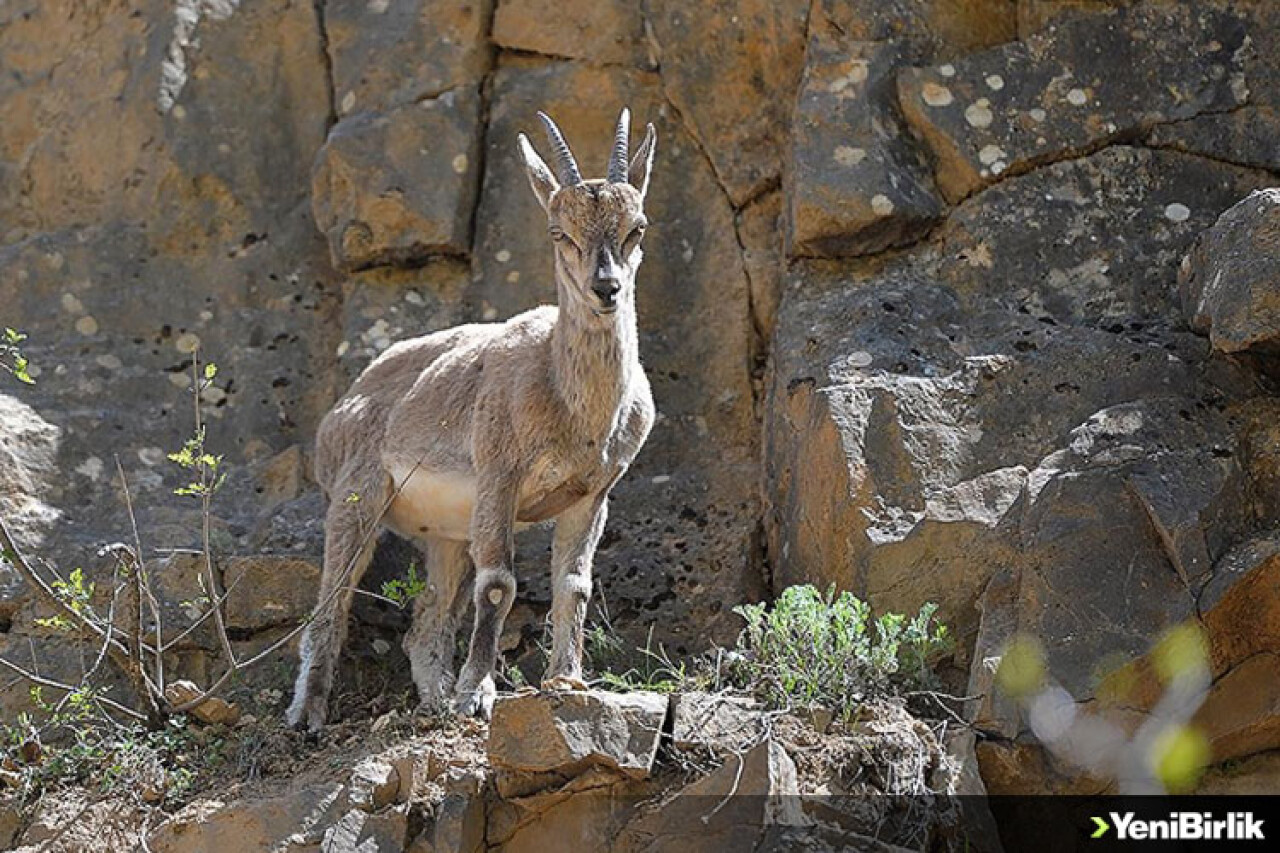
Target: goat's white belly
{"x":438,"y":504}
{"x":434,"y":503}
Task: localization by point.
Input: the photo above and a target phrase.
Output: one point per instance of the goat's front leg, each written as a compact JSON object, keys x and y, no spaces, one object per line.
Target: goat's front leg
{"x":493,"y":552}
{"x":578,"y":533}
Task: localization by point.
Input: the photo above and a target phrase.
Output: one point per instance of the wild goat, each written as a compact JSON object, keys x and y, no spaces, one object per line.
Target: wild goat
{"x":460,"y":438}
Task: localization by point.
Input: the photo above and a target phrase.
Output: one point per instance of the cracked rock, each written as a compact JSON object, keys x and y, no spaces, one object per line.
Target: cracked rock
{"x":857,"y":183}
{"x":568,"y":732}
{"x":374,"y":785}
{"x":386,"y":54}
{"x":1074,"y":87}
{"x":605,"y":31}
{"x":704,"y":816}
{"x":398,"y":187}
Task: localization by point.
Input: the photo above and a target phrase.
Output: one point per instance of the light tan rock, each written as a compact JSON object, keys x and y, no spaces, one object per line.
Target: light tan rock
{"x":568,"y":732}
{"x":729,"y":809}
{"x":213,"y":710}
{"x":1241,"y":716}
{"x":604,"y":31}
{"x":360,"y":832}
{"x":716,"y":722}
{"x":374,"y":785}
{"x":300,"y":817}
{"x":733,"y":77}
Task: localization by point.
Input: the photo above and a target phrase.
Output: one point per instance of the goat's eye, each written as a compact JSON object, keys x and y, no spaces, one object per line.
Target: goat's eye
{"x":556,"y":234}
{"x":634,"y":237}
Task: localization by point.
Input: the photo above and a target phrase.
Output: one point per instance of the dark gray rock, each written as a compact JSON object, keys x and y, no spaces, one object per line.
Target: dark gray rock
{"x":1230,"y":281}
{"x":398,"y":187}
{"x":856,"y":184}
{"x":1073,"y":87}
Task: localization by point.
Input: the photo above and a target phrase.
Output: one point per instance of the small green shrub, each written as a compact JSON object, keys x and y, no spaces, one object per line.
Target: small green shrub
{"x":406,"y":589}
{"x":828,"y":650}
{"x":11,"y":357}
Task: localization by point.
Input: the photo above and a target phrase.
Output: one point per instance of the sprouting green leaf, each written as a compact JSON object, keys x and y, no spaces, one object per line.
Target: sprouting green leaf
{"x":210,"y":371}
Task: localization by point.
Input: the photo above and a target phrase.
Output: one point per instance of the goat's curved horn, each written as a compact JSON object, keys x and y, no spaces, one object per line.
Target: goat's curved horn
{"x":617,"y":173}
{"x":566,"y":166}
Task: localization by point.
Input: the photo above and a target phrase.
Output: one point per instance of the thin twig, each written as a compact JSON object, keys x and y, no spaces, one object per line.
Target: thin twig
{"x":143,"y":584}
{"x":58,"y":685}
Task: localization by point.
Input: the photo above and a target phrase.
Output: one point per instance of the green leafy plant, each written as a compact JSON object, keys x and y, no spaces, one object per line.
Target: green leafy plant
{"x":11,"y":357}
{"x":829,"y":650}
{"x":648,"y":667}
{"x":406,"y":589}
{"x":77,"y":593}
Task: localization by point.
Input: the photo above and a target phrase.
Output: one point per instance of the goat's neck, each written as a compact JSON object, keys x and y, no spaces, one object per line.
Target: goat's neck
{"x":594,"y":363}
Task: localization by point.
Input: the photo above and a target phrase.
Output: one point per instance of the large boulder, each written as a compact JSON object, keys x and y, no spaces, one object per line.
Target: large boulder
{"x":1230,"y":282}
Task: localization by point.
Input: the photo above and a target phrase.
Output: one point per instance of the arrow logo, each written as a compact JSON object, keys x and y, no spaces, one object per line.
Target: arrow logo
{"x":1102,"y":825}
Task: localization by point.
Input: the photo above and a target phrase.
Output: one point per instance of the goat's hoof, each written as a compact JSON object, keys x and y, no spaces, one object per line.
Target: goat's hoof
{"x":307,"y":716}
{"x":564,"y":684}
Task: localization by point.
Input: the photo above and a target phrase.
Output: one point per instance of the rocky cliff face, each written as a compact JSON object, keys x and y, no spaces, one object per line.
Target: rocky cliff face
{"x":934,"y":305}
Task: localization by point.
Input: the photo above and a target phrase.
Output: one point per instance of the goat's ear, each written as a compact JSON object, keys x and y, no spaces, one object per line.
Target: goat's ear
{"x":642,"y":163}
{"x":540,"y":178}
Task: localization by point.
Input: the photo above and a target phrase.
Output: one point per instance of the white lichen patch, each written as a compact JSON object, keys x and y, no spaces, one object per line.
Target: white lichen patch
{"x":187,"y":15}
{"x":459,"y":164}
{"x":343,"y":349}
{"x":990,"y":154}
{"x":91,"y":468}
{"x":151,"y":456}
{"x":1038,"y":115}
{"x":936,"y":95}
{"x":109,"y":361}
{"x":187,"y":343}
{"x":994,"y":82}
{"x":71,"y":304}
{"x":947,"y":70}
{"x":854,"y":77}
{"x":180,"y":380}
{"x":87,"y":326}
{"x":979,"y":256}
{"x":979,"y":114}
{"x":881,"y":205}
{"x":502,"y":256}
{"x":1177,"y":212}
{"x":1077,"y":97}
{"x":847,"y":156}
{"x":348,"y":102}
{"x":513,"y":277}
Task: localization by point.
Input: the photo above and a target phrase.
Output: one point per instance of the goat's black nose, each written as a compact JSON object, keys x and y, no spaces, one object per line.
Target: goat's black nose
{"x":606,"y":289}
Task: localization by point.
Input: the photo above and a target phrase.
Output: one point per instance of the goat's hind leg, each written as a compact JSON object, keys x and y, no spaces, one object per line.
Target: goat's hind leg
{"x":349,"y":540}
{"x":437,"y":614}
